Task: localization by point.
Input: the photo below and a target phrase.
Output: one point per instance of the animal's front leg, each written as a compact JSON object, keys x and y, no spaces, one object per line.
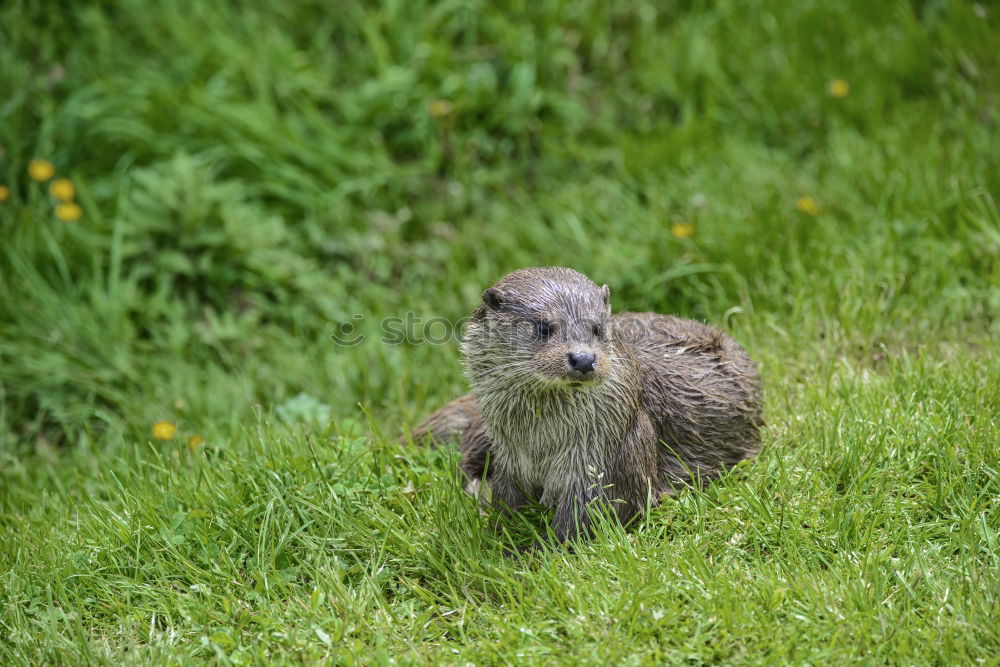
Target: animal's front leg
{"x":504,"y":491}
{"x":576,"y":509}
{"x":572,"y":517}
{"x":506,"y":496}
{"x":582,"y":492}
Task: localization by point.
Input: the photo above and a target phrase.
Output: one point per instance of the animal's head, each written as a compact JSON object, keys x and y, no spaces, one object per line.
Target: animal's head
{"x":541,"y":328}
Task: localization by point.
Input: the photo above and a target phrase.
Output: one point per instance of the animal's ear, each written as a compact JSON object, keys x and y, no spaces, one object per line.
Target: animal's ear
{"x":494,"y":300}
{"x":606,"y":292}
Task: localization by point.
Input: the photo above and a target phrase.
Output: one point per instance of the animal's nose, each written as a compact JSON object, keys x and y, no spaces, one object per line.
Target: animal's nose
{"x":582,"y":362}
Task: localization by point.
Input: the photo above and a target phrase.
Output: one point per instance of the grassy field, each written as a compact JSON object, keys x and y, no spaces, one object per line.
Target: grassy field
{"x":821,"y":179}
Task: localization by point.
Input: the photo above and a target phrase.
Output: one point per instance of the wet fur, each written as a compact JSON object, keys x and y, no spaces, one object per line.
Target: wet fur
{"x":678,"y":402}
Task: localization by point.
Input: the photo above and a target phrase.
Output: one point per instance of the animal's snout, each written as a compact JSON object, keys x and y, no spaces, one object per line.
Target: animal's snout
{"x":582,"y":362}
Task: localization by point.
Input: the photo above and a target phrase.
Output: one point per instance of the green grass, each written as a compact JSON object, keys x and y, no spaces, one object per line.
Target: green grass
{"x":252,"y":177}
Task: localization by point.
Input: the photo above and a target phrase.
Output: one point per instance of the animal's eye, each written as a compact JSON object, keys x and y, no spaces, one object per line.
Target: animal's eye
{"x":598,"y":331}
{"x":543,"y":329}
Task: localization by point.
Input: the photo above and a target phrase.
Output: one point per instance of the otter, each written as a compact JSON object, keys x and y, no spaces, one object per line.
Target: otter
{"x":575,"y":408}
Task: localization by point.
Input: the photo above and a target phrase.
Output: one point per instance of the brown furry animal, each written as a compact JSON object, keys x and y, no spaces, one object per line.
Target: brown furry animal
{"x":571,"y":405}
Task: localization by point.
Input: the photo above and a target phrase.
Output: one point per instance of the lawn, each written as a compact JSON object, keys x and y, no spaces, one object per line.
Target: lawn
{"x":194,"y":466}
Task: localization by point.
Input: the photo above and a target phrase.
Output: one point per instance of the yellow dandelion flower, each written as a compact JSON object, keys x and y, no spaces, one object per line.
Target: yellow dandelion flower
{"x":41,"y":170}
{"x":62,"y":189}
{"x":4,"y":193}
{"x":440,"y":108}
{"x":682,"y":230}
{"x":807,"y":205}
{"x":69,"y":212}
{"x":195,"y":441}
{"x":838,"y":88}
{"x":164,"y":430}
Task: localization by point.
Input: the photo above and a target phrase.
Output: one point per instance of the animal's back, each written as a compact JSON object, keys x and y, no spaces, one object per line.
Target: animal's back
{"x":701,"y":390}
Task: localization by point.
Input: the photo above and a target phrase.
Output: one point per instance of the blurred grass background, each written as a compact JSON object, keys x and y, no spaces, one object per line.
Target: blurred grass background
{"x":818,"y":178}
